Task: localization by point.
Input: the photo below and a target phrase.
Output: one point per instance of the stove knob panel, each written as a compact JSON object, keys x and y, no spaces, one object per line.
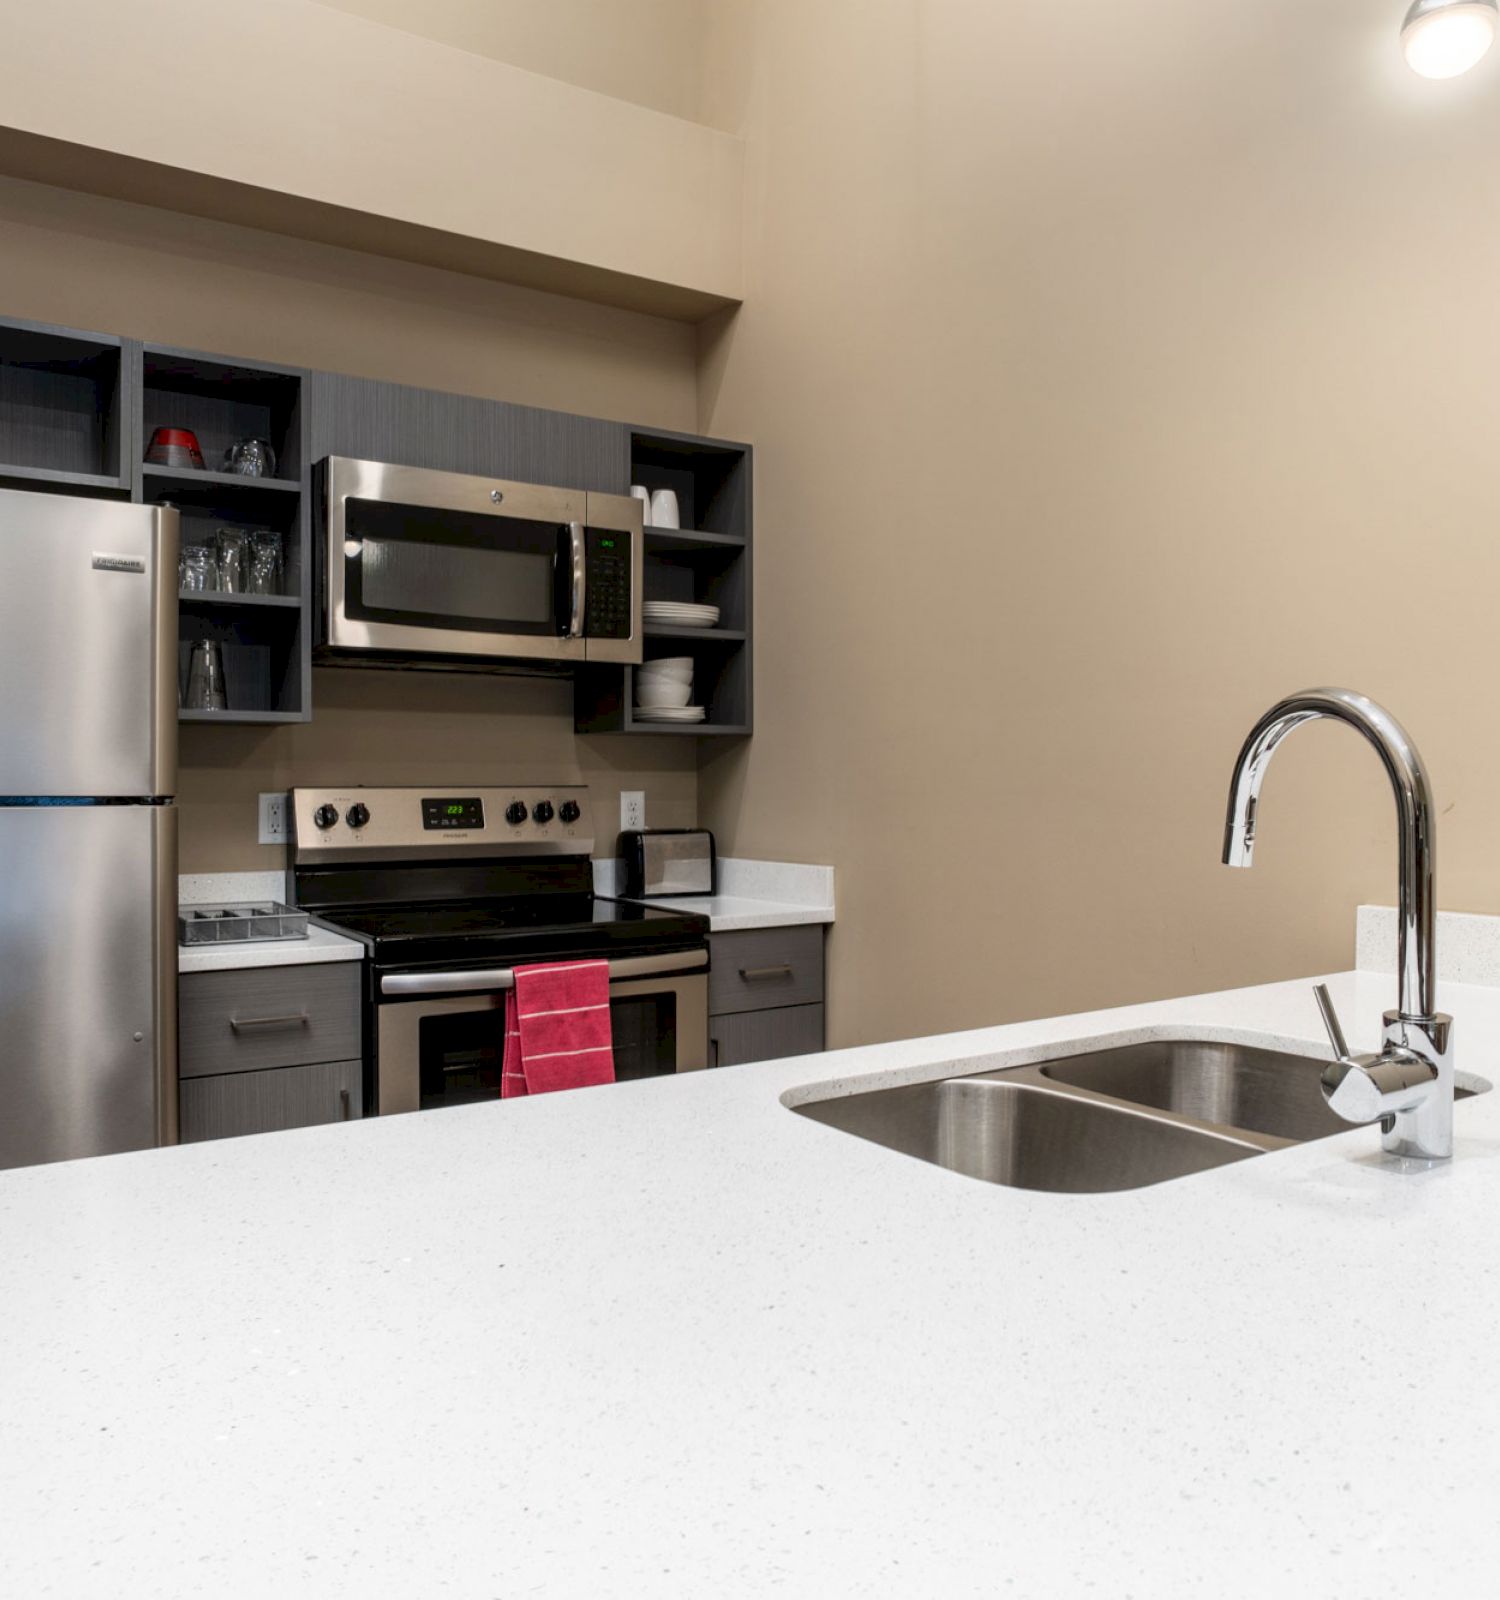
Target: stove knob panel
{"x":326,"y":816}
{"x":516,"y":813}
{"x":357,"y":815}
{"x":542,"y":811}
{"x":570,"y":811}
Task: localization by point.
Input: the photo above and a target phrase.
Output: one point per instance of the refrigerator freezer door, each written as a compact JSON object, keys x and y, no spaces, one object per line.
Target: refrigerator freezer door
{"x":88,"y":652}
{"x":88,"y":981}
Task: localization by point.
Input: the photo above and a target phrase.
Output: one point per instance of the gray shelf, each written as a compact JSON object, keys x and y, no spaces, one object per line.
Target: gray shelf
{"x":266,"y":640}
{"x":52,"y":477}
{"x":65,"y":401}
{"x":662,"y":630}
{"x":707,"y":561}
{"x":193,"y":479}
{"x":236,"y":716}
{"x":691,"y":539}
{"x":698,"y":729}
{"x":218,"y":597}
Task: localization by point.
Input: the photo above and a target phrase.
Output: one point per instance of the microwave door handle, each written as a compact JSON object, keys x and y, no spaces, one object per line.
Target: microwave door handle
{"x":577,"y":548}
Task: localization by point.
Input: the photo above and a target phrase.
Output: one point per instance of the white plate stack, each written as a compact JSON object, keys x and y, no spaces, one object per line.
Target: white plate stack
{"x":663,"y":690}
{"x":679,"y":614}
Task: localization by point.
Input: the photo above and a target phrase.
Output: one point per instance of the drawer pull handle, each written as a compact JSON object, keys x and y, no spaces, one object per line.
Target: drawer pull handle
{"x":295,"y":1020}
{"x":343,"y":1105}
{"x":761,"y":974}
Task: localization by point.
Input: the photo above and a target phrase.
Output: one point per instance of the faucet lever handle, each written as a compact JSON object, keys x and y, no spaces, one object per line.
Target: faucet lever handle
{"x":1331,"y":1021}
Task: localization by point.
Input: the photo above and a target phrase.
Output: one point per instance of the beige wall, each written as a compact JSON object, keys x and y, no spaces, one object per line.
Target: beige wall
{"x":647,"y":51}
{"x":301,"y":117}
{"x":100,"y":264}
{"x":1114,"y":368}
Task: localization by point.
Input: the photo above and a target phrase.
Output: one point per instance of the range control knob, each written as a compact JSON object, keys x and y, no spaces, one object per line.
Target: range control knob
{"x":542,"y":811}
{"x":515,"y":813}
{"x":569,"y":811}
{"x":357,"y":815}
{"x":326,"y":816}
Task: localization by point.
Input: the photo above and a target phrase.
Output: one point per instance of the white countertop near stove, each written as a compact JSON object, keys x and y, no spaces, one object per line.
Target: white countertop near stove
{"x":751,"y":894}
{"x":666,"y":1338}
{"x":223,"y":888}
{"x":319,"y":946}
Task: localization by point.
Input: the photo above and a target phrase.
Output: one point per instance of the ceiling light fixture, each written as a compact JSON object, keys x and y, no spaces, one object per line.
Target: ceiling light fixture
{"x":1442,"y":38}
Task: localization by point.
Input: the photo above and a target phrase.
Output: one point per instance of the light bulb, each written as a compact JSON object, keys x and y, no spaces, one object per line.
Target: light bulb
{"x":1442,"y":38}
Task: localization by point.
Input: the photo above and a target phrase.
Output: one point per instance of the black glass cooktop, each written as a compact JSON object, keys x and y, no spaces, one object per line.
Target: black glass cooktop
{"x":528,"y":928}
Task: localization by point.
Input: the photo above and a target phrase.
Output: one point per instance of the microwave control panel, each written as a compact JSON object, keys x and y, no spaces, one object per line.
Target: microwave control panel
{"x":607,"y":596}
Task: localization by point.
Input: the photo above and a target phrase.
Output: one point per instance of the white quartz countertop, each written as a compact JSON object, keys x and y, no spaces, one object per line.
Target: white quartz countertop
{"x":666,"y":1338}
{"x":728,"y":912}
{"x":320,"y":945}
{"x":759,"y":894}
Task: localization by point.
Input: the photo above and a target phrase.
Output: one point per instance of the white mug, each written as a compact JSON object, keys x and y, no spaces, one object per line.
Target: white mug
{"x":664,"y":512}
{"x":639,"y":491}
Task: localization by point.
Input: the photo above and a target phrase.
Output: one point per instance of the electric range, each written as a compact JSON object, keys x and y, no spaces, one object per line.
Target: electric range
{"x":449,"y":890}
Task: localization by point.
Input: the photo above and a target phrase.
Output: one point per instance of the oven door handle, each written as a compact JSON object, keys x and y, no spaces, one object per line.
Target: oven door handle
{"x":578,"y":550}
{"x":412,"y":983}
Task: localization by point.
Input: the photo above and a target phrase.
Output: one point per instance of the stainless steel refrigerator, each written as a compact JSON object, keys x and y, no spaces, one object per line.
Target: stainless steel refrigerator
{"x":88,"y":830}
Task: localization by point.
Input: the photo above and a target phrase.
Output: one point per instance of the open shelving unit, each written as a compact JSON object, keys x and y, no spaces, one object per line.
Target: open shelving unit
{"x":707,"y":560}
{"x":264,"y":639}
{"x":78,"y":409}
{"x":65,"y":408}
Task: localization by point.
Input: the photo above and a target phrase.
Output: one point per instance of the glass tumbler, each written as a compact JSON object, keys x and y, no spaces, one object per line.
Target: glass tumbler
{"x":250,"y":458}
{"x":205,"y":690}
{"x":233,"y":546}
{"x":197,"y":569}
{"x":265,"y":562}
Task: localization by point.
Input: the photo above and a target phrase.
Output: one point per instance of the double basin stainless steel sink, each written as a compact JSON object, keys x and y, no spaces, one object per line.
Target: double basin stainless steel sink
{"x":1116,"y":1118}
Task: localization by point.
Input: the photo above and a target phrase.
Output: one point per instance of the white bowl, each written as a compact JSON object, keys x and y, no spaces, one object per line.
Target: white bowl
{"x":678,"y":668}
{"x":662,"y":692}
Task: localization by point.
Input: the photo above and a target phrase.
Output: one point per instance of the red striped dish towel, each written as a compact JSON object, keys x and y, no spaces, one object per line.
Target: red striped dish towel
{"x":557,"y":1033}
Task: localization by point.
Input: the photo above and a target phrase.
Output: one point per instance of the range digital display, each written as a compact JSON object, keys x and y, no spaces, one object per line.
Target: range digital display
{"x":445,"y":813}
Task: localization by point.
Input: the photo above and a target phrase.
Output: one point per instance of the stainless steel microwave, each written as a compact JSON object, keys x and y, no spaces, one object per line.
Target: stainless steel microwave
{"x":477,"y":571}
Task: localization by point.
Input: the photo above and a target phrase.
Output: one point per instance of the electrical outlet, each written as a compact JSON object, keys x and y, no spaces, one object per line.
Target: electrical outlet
{"x":275,"y":824}
{"x":632,"y":809}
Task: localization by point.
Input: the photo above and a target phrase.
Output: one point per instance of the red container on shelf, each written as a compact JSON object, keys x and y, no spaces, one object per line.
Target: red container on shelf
{"x":174,"y":447}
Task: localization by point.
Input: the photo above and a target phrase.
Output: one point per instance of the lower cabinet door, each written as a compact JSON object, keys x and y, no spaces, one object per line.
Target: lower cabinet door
{"x":764,"y":1035}
{"x":273,"y":1098}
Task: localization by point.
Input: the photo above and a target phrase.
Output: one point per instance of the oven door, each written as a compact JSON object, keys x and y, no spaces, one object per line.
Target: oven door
{"x":434,"y":1047}
{"x":443,"y":563}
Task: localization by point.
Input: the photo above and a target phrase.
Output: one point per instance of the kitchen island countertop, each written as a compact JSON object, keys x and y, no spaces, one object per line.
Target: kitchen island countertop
{"x":667,"y":1338}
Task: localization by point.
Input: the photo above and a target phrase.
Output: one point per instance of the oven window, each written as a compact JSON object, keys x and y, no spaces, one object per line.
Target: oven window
{"x":461,"y":1058}
{"x":645,"y":1035}
{"x":461,"y":1052}
{"x":450,"y":569}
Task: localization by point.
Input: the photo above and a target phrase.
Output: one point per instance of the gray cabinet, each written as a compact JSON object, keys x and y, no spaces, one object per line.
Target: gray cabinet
{"x":765,"y":994}
{"x":765,"y":1035}
{"x":269,"y":1100}
{"x":262,"y":1048}
{"x":375,"y":421}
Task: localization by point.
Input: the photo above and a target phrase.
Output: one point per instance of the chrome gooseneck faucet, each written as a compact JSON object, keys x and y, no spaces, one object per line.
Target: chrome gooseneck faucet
{"x":1408,"y":1087}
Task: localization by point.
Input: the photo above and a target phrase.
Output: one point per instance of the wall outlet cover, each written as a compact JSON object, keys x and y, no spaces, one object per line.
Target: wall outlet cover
{"x":275,"y":825}
{"x":632,"y":809}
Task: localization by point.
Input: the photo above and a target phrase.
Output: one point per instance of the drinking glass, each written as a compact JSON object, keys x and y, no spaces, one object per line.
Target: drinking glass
{"x":197,"y":569}
{"x":205,"y":690}
{"x":250,"y":458}
{"x":233,"y":546}
{"x":265,"y":562}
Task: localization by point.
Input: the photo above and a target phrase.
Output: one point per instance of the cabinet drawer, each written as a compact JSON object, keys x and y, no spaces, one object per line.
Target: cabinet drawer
{"x":233,"y":1103}
{"x":763,"y":967}
{"x":765,"y":1035}
{"x":244,"y":1020}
